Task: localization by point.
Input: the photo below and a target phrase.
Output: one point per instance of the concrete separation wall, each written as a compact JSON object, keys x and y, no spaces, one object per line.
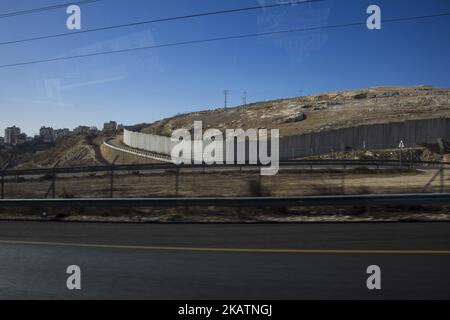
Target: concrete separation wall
{"x":123,"y":155}
{"x":153,"y":146}
{"x":148,"y":142}
{"x":373,"y":137}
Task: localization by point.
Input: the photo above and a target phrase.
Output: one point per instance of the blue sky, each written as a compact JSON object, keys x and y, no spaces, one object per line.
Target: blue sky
{"x":145,"y":86}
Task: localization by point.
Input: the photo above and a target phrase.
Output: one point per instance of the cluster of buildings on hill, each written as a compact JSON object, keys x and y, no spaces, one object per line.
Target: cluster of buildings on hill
{"x":14,"y":136}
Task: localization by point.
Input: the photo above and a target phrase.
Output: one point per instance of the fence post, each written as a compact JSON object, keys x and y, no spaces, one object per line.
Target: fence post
{"x":54,"y":180}
{"x":3,"y":185}
{"x":54,"y":184}
{"x":111,"y":186}
{"x":177,"y":181}
{"x":343,"y":178}
{"x":442,"y":172}
{"x":401,"y":159}
{"x":412,"y":164}
{"x":3,"y":169}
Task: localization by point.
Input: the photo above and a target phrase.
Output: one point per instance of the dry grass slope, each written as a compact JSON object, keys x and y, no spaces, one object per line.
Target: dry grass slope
{"x":320,"y":112}
{"x":74,"y":151}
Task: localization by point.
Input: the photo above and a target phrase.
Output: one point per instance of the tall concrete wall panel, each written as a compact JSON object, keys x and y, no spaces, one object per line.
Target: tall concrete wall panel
{"x":148,"y":142}
{"x":376,"y":136}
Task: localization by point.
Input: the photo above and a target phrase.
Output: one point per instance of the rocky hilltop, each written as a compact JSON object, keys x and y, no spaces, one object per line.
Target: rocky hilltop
{"x":320,"y":112}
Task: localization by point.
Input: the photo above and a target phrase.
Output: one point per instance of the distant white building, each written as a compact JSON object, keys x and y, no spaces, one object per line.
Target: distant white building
{"x":11,"y":135}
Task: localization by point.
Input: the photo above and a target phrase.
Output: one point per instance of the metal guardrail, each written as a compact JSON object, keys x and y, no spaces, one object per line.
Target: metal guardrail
{"x":309,"y":201}
{"x":286,"y":163}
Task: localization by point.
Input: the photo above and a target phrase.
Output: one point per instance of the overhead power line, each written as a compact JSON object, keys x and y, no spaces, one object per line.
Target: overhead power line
{"x":243,"y":36}
{"x":49,"y":8}
{"x":184,"y":17}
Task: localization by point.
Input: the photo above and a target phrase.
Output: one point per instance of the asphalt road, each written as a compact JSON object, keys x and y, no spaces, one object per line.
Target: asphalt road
{"x":304,"y":261}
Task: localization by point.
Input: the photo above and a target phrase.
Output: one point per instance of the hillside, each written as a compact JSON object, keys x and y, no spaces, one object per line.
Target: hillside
{"x":74,"y":151}
{"x":320,"y":112}
{"x":20,"y":154}
{"x":292,"y":116}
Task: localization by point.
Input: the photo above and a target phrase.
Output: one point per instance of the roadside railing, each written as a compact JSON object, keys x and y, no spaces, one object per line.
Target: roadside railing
{"x":286,"y":163}
{"x":274,"y":202}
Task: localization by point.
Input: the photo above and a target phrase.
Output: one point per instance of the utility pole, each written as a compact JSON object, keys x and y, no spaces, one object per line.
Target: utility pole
{"x":226,"y":93}
{"x":244,"y":98}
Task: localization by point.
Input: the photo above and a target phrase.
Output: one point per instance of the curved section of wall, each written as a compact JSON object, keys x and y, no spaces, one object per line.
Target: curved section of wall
{"x":121,"y":157}
{"x":148,"y":142}
{"x":127,"y":155}
{"x":377,"y":136}
{"x":163,"y":147}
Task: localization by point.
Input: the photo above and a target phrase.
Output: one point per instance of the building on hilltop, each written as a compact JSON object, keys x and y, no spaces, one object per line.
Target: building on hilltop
{"x":11,"y":135}
{"x":62,"y":133}
{"x":46,"y":134}
{"x":110,"y":126}
{"x":22,"y":139}
{"x":81,"y":130}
